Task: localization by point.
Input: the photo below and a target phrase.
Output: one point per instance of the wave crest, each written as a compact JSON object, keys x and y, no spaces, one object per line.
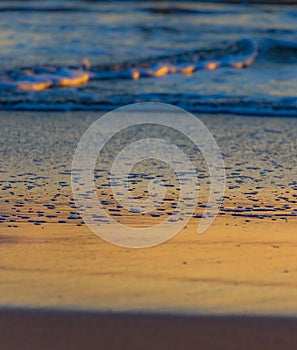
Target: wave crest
{"x":238,"y":55}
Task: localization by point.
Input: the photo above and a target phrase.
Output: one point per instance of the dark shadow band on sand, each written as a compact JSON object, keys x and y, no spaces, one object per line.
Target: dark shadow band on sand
{"x":49,"y":329}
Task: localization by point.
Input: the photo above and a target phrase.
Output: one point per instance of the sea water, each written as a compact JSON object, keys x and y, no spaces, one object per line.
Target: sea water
{"x":203,"y":56}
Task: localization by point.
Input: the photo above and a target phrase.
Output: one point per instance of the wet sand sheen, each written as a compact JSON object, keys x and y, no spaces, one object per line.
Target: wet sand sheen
{"x":231,"y":269}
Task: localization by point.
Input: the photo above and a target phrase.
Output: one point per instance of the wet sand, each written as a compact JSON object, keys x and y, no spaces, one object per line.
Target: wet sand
{"x":37,"y":150}
{"x":231,"y":269}
{"x":247,"y":271}
{"x":245,"y":264}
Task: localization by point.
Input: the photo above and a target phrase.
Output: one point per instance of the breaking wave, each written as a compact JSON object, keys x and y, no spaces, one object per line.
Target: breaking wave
{"x":240,"y":54}
{"x":22,"y":88}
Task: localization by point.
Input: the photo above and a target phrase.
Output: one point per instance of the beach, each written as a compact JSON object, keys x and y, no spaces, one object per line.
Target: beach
{"x":244,"y":265}
{"x":148,"y":189}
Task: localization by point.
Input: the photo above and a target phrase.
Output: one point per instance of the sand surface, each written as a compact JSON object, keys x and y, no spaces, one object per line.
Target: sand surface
{"x":232,"y":269}
{"x":245,"y":270}
{"x":244,"y":264}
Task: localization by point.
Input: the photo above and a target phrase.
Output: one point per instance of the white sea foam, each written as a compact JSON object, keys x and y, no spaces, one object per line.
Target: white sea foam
{"x":236,"y":55}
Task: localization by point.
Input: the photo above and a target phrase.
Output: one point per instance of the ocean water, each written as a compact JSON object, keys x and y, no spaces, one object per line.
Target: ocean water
{"x":236,"y":58}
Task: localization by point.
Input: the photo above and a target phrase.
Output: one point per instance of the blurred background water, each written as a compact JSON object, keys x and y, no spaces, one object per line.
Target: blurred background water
{"x":64,"y":55}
